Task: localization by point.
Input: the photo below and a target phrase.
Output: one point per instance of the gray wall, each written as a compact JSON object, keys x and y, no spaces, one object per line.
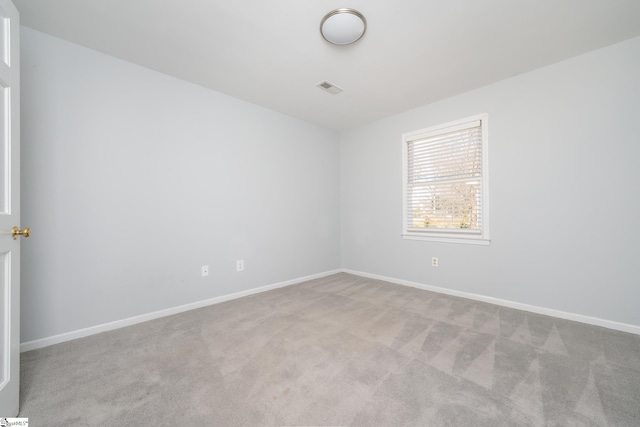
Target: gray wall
{"x":131,"y":180}
{"x":564,"y":191}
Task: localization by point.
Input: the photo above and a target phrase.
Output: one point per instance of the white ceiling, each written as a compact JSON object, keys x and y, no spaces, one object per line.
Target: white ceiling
{"x":271,"y":53}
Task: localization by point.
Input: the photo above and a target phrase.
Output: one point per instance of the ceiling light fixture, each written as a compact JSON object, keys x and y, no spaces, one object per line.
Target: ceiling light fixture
{"x":343,"y":26}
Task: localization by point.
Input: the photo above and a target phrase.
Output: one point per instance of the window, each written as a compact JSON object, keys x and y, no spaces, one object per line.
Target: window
{"x":445,"y":182}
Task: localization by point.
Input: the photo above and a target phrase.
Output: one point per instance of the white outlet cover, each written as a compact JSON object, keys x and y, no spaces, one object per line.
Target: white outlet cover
{"x":205,"y":270}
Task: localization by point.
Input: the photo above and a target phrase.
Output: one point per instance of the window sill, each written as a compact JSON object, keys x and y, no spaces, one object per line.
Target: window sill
{"x":448,"y":239}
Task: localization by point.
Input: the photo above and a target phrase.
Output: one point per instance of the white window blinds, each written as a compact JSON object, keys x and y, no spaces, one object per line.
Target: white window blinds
{"x":444,"y":179}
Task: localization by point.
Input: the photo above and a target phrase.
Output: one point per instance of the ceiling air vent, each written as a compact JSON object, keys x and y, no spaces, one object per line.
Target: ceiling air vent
{"x":329,"y":87}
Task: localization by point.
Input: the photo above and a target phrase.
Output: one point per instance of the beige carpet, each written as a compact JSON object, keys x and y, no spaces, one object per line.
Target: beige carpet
{"x":341,"y":350}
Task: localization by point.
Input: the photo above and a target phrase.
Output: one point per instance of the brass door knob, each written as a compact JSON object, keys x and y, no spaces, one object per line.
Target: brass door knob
{"x":15,"y":232}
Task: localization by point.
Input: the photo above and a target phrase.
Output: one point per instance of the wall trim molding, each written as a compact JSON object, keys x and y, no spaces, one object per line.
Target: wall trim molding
{"x":92,"y":330}
{"x":609,"y":324}
{"x":81,"y":333}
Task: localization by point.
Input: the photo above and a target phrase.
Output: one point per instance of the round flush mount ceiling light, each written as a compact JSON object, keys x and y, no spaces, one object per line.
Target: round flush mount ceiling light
{"x":343,"y":26}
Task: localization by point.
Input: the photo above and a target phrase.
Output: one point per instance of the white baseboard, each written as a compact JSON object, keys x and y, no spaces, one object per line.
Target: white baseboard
{"x":624,"y":327}
{"x":68,"y":336}
{"x":80,"y":333}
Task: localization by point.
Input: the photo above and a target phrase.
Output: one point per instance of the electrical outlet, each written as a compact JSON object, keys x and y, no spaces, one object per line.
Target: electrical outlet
{"x":434,"y":262}
{"x":205,"y":270}
{"x":240,"y":265}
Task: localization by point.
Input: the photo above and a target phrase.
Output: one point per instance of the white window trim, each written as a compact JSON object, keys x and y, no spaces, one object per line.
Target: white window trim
{"x":479,"y":237}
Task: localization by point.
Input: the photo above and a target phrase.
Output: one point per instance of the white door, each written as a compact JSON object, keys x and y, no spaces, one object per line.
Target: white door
{"x":9,"y":209}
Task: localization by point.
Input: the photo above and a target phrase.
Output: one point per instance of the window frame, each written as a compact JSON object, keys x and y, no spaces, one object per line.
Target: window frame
{"x":476,"y":237}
